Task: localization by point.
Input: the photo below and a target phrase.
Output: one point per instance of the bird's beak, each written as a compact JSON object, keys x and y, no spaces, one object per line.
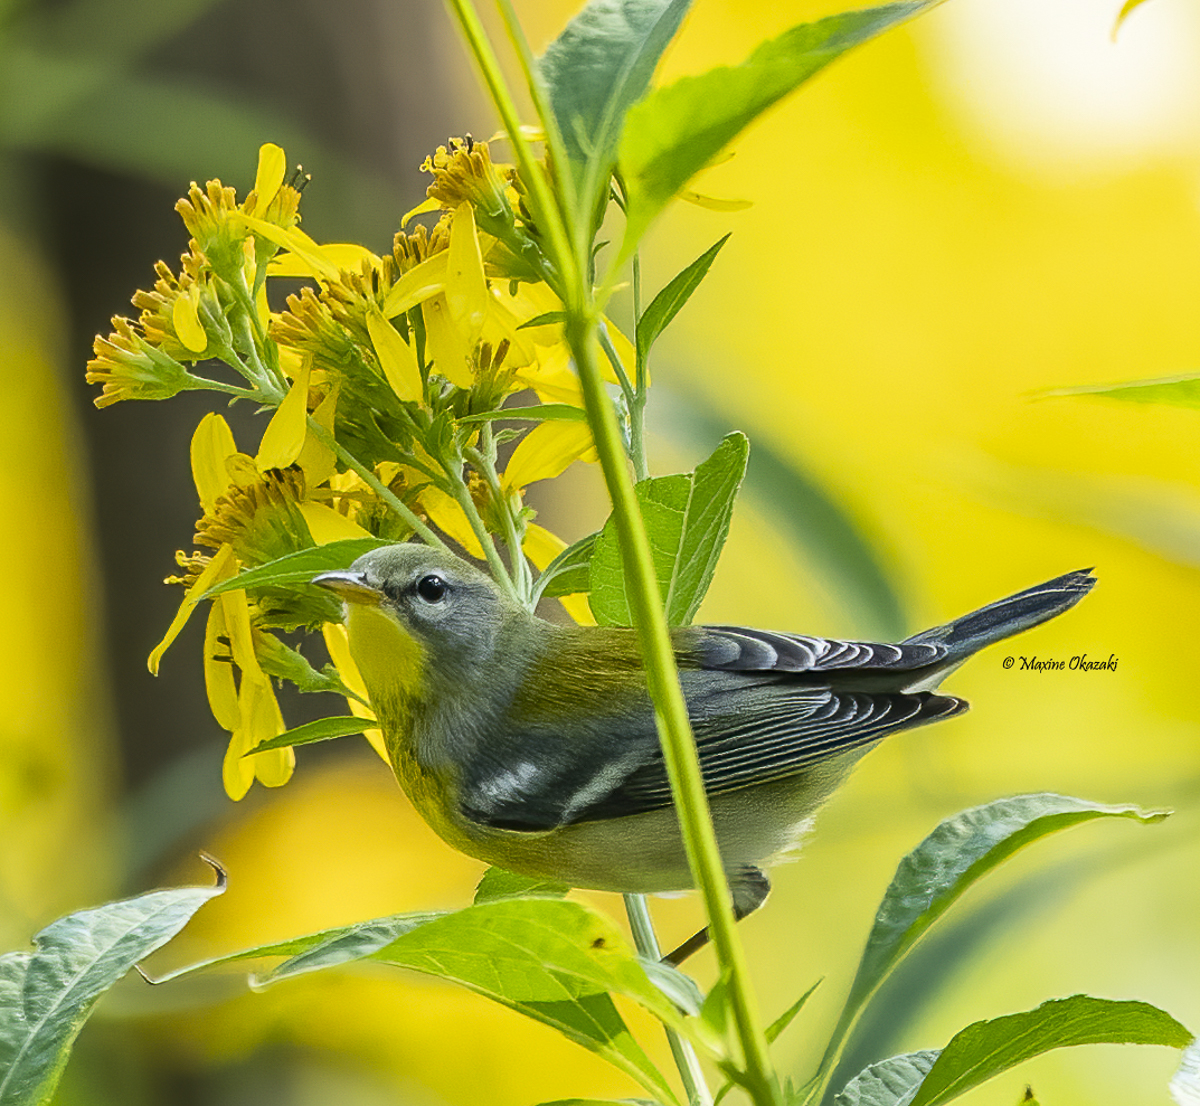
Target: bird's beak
{"x":350,"y":586}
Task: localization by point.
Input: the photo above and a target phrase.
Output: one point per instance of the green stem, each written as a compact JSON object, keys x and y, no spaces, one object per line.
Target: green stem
{"x":551,"y":225}
{"x":485,"y":465}
{"x":491,"y":554}
{"x":637,"y":405}
{"x":674,"y":726}
{"x":374,"y":483}
{"x":685,"y":1056}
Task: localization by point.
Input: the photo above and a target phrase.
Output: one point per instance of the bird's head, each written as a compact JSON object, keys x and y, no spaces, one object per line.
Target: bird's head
{"x":414,"y":611}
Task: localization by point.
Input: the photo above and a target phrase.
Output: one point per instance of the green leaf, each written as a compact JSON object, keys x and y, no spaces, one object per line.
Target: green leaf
{"x":47,"y":995}
{"x":987,"y":1048}
{"x":785,"y":1019}
{"x":570,"y":572}
{"x":322,"y":949}
{"x":323,"y":729}
{"x":554,"y":961}
{"x":539,"y":412}
{"x":809,"y":517}
{"x":497,"y":883}
{"x":665,"y":306}
{"x":679,"y":129}
{"x":546,"y":318}
{"x":595,"y":71}
{"x":890,"y":1082}
{"x":959,"y":852}
{"x":1172,"y":391}
{"x":299,"y":567}
{"x":687,"y":520}
{"x":1185,"y":1083}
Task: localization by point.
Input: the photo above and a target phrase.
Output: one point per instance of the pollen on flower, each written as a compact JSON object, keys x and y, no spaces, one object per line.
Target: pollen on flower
{"x":464,"y":171}
{"x":260,"y":518}
{"x":127,"y":366}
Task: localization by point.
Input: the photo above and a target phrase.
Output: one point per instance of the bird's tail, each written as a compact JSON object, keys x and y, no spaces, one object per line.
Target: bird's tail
{"x":1006,"y":617}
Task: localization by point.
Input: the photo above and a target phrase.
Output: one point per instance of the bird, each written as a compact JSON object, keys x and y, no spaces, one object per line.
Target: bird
{"x":532,"y":745}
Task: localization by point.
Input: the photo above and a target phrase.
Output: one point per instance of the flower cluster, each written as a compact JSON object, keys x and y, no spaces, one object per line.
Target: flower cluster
{"x":386,"y":378}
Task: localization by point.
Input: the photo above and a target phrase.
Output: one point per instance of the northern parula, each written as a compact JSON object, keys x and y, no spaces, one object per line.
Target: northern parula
{"x":532,"y":745}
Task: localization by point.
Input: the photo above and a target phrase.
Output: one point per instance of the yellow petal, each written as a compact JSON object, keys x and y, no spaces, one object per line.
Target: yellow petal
{"x":305,"y":248}
{"x":552,"y":377}
{"x":466,"y":286}
{"x":446,"y":344}
{"x":237,"y":773}
{"x":316,"y":459}
{"x":398,"y":358}
{"x":546,"y":450}
{"x":218,"y":672}
{"x":221,"y":567}
{"x":241,"y":637}
{"x":326,"y":525}
{"x":447,"y":514}
{"x":284,"y":437}
{"x":578,"y":607}
{"x":264,"y":721}
{"x":344,"y":255}
{"x":422,"y":208}
{"x":417,"y":285}
{"x":272,"y":164}
{"x":338,"y":645}
{"x":541,"y":546}
{"x":185,"y":317}
{"x":212,"y":446}
{"x":241,"y":470}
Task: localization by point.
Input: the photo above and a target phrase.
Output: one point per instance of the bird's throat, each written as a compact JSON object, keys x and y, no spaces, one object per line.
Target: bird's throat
{"x":392,"y":664}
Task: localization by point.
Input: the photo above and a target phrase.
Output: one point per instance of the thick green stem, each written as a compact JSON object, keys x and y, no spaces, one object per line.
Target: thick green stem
{"x":686,"y":1060}
{"x":552,"y":226}
{"x":674,"y":726}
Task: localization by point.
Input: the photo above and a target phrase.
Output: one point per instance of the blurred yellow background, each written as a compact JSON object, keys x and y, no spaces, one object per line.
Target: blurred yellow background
{"x":995,"y":201}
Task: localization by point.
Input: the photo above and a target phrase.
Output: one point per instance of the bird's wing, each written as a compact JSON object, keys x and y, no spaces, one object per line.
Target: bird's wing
{"x":741,"y":649}
{"x":748,"y":739}
{"x":749,"y":730}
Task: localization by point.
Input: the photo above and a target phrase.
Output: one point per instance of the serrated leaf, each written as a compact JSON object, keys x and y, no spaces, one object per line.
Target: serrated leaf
{"x":497,"y":883}
{"x":595,"y":71}
{"x":959,"y":852}
{"x":323,"y":729}
{"x":570,"y":572}
{"x":890,"y":1082}
{"x":46,"y":996}
{"x":687,"y":520}
{"x":1173,"y":391}
{"x":988,"y":1048}
{"x":677,"y":130}
{"x":299,"y":567}
{"x":666,"y":305}
{"x":1185,"y":1083}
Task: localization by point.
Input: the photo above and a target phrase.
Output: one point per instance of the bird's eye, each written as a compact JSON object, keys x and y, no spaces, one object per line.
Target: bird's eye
{"x":432,"y":588}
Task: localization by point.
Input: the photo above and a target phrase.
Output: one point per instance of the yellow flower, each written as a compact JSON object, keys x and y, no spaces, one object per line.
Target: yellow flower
{"x":128,"y":367}
{"x":546,"y":451}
